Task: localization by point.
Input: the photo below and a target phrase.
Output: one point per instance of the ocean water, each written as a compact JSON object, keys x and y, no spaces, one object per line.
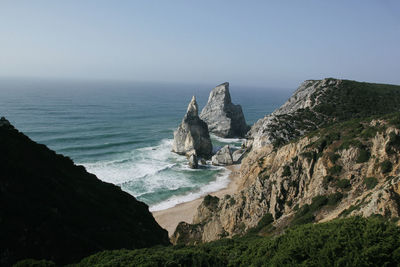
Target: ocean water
{"x":123,"y":132}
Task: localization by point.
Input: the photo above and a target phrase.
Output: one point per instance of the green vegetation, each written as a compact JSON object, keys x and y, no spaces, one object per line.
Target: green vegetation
{"x":370,"y":182}
{"x":343,"y":183}
{"x":333,"y":157}
{"x":359,"y":100}
{"x":327,"y":179}
{"x":34,"y":263}
{"x":343,"y":242}
{"x":334,"y":198}
{"x":393,"y":145}
{"x":305,"y":214}
{"x":386,"y":166}
{"x":211,"y":201}
{"x":266,"y":220}
{"x":286,"y":171}
{"x":351,"y":101}
{"x":335,"y":170}
{"x":363,"y":156}
{"x":348,"y":211}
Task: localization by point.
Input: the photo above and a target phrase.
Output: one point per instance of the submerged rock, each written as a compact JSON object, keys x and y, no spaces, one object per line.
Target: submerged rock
{"x":192,"y":134}
{"x":193,"y":161}
{"x":223,"y":156}
{"x":223,"y":118}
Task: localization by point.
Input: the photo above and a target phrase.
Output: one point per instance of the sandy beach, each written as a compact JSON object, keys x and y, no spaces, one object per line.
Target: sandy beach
{"x":169,"y":218}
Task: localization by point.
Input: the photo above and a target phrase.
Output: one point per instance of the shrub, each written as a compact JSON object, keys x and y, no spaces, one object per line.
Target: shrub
{"x":343,"y":183}
{"x":335,"y":198}
{"x":265,"y":220}
{"x":394,"y":143}
{"x":386,"y":166}
{"x":370,"y":182}
{"x":333,"y":157}
{"x":34,"y":263}
{"x":306,"y":213}
{"x":352,"y":241}
{"x":363,"y":156}
{"x":369,"y":132}
{"x":335,"y":170}
{"x":286,"y":171}
{"x":211,"y":201}
{"x":327,"y":179}
{"x":318,"y":202}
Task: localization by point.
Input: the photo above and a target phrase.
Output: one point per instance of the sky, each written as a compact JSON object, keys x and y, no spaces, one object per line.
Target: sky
{"x":257,"y":43}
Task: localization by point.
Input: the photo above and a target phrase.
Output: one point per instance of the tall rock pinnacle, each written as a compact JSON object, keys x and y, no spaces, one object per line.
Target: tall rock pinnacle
{"x":192,"y":134}
{"x":223,"y":118}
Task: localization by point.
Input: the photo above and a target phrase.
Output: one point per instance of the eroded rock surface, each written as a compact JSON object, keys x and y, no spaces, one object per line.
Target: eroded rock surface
{"x":318,"y":157}
{"x":192,"y":134}
{"x":223,"y":118}
{"x":223,"y":157}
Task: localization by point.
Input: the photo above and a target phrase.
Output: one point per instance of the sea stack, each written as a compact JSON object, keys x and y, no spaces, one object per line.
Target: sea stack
{"x":192,"y":134}
{"x":223,"y":118}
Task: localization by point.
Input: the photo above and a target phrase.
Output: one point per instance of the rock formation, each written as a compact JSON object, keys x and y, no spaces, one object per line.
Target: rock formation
{"x":192,"y":134}
{"x":52,"y":209}
{"x":317,"y":103}
{"x":345,"y":167}
{"x":193,"y":160}
{"x":223,"y":118}
{"x":222,"y":157}
{"x":362,"y":179}
{"x":238,"y":155}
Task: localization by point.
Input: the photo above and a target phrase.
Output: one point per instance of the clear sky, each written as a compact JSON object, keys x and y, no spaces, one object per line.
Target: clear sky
{"x":259,"y":43}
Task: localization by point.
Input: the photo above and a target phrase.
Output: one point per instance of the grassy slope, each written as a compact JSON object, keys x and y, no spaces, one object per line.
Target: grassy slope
{"x":351,"y":100}
{"x":344,"y":242}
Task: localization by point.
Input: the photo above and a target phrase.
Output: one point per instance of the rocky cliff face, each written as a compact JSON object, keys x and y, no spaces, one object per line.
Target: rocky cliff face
{"x":52,"y":209}
{"x":349,"y":168}
{"x":223,"y":118}
{"x":357,"y":176}
{"x":317,"y":103}
{"x":192,"y":134}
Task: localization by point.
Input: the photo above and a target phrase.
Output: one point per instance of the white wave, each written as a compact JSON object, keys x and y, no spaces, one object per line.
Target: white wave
{"x":156,"y":169}
{"x":137,"y":164}
{"x":221,"y":182}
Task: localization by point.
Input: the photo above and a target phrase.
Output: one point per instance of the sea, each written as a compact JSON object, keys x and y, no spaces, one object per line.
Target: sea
{"x":123,"y":131}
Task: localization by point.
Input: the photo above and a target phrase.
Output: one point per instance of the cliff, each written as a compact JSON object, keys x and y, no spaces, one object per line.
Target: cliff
{"x":318,"y":103}
{"x":312,"y":168}
{"x":52,"y":209}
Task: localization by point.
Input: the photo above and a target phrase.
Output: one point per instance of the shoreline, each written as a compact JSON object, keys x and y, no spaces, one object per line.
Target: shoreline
{"x":171,"y":217}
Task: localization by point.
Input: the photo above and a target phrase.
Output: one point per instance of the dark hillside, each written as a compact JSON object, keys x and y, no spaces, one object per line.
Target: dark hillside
{"x":52,"y":209}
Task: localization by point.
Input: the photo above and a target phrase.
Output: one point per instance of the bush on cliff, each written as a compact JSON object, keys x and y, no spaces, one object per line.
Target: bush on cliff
{"x":353,"y":241}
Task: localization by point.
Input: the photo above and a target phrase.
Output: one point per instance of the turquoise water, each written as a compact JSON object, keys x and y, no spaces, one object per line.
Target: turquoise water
{"x":122,"y":132}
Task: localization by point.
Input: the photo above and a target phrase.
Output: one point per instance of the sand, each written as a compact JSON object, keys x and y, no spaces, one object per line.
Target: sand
{"x":169,"y":218}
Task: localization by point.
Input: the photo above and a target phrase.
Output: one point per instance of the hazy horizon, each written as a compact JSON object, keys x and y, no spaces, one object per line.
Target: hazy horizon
{"x":258,"y":44}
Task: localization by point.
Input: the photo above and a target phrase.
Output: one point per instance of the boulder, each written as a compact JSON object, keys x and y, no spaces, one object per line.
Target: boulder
{"x":223,"y":118}
{"x":192,"y":134}
{"x":193,"y":161}
{"x":4,"y":122}
{"x":238,"y":155}
{"x":223,"y":157}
